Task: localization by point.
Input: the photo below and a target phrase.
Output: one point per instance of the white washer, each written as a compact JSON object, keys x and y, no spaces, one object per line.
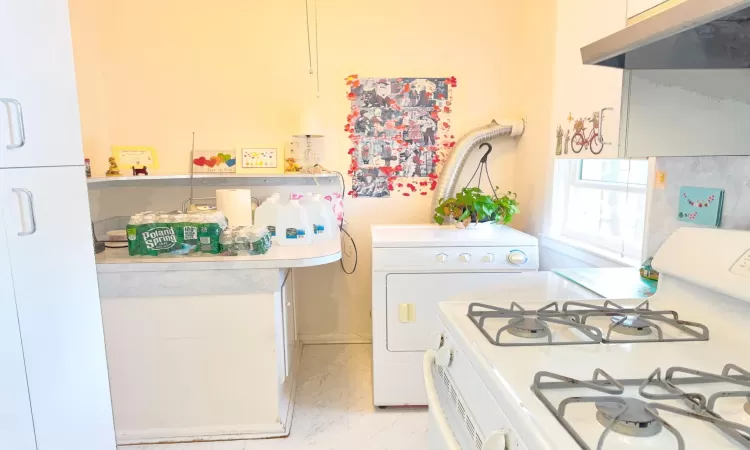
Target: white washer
{"x":416,"y":266}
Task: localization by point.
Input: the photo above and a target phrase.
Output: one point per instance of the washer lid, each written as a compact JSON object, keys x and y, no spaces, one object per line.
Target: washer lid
{"x":432,"y":235}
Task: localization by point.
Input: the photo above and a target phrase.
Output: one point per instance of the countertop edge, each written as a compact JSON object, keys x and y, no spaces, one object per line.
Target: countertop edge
{"x":288,"y":257}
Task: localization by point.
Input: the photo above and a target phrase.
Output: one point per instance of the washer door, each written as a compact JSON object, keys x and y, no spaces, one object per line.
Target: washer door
{"x":412,"y":303}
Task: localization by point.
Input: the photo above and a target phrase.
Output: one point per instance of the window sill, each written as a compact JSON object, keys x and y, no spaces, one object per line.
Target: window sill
{"x":587,"y":253}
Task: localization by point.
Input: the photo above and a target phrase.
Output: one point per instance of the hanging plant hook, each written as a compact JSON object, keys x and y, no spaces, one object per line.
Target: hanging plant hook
{"x":489,"y":150}
{"x":482,"y":166}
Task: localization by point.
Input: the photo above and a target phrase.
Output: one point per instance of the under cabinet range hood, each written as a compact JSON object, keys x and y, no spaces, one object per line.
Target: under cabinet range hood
{"x":693,"y":34}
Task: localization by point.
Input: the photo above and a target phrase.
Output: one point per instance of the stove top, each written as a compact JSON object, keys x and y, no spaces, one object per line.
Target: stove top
{"x":671,"y":411}
{"x":578,"y":323}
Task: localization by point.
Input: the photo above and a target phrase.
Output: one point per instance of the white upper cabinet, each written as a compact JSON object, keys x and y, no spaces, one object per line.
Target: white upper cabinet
{"x":636,"y":7}
{"x":587,"y":99}
{"x":39,"y":118}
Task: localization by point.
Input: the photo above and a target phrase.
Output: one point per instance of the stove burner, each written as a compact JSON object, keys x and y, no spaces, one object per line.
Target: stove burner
{"x":635,"y":421}
{"x":527,"y":327}
{"x":632,"y":326}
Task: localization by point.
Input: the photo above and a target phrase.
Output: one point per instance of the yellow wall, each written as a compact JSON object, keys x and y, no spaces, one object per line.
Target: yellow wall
{"x":535,"y":156}
{"x":236,"y":73}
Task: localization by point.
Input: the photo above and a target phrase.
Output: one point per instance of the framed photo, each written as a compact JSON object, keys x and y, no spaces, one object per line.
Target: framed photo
{"x":259,"y":158}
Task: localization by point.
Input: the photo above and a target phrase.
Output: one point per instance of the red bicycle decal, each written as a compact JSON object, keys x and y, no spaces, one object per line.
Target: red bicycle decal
{"x":593,"y":141}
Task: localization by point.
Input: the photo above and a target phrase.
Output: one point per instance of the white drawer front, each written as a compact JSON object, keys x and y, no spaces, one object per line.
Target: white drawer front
{"x":452,"y":259}
{"x":476,"y":400}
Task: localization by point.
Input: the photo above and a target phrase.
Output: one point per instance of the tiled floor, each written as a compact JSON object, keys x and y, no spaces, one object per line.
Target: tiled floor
{"x":334,"y":410}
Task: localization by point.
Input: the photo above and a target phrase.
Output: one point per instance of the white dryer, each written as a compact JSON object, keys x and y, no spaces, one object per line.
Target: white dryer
{"x":414,"y":267}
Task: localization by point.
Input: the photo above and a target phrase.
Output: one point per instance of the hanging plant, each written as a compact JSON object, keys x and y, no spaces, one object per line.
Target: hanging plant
{"x":471,"y":205}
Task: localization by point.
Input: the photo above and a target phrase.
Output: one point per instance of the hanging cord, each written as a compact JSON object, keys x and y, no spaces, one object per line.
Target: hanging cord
{"x":341,"y":227}
{"x":317,"y":51}
{"x":309,"y":46}
{"x":483,"y":165}
{"x":627,"y":201}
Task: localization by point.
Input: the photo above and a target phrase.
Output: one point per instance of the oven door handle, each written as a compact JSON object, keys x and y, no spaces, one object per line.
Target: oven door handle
{"x":433,"y":402}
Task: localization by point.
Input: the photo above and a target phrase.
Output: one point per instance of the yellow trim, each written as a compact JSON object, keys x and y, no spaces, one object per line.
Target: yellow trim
{"x":654,"y":11}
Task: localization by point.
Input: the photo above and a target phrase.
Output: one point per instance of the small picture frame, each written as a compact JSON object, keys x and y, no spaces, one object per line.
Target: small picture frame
{"x":214,"y":161}
{"x":259,"y":158}
{"x":128,"y":157}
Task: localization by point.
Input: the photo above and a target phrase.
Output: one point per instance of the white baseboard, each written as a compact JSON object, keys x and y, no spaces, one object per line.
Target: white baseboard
{"x":334,"y":338}
{"x":200,"y":434}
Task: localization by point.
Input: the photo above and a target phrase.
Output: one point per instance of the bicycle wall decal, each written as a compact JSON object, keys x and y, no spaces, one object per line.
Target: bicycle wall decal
{"x":583,"y":137}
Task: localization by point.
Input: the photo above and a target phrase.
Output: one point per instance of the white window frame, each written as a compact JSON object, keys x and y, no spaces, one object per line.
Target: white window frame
{"x":565,"y":178}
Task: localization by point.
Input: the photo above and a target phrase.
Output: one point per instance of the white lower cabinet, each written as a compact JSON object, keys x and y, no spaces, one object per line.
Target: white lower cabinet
{"x":199,"y":354}
{"x":16,"y":426}
{"x":48,"y":230}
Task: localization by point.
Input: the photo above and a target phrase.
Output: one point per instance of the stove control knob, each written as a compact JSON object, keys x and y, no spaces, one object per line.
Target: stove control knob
{"x":517,"y":257}
{"x":436,"y":341}
{"x":464,"y":257}
{"x":441,"y":257}
{"x":488,"y":258}
{"x":497,"y":440}
{"x":443,"y":357}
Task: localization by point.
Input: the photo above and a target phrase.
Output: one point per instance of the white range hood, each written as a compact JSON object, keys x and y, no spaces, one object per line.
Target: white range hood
{"x":693,"y":34}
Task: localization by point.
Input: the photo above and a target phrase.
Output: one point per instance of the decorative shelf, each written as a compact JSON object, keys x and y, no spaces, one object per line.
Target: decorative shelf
{"x":216,"y":179}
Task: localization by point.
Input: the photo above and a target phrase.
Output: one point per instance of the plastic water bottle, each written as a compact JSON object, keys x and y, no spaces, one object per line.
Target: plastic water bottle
{"x":268,"y":215}
{"x":294,"y":227}
{"x":321,"y":218}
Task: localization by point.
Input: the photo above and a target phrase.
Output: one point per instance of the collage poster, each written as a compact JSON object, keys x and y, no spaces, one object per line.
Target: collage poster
{"x":400,"y":134}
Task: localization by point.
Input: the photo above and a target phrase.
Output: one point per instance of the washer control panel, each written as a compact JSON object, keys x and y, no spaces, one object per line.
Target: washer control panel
{"x":457,"y":258}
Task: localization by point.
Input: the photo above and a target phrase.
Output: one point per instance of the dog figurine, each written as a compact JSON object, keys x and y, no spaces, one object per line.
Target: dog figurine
{"x":143,"y":171}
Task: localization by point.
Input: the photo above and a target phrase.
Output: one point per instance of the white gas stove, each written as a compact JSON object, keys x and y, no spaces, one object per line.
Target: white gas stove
{"x":667,"y":374}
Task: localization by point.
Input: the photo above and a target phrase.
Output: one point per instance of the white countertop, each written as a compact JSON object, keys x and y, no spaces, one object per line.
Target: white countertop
{"x":278,"y":257}
{"x":433,"y":235}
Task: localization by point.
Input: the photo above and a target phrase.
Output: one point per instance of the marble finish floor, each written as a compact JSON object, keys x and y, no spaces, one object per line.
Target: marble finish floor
{"x":334,"y":410}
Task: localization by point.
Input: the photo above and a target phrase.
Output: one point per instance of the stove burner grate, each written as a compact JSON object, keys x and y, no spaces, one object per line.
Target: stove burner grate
{"x":633,"y":417}
{"x":631,"y":325}
{"x":635,"y":420}
{"x":528,"y":327}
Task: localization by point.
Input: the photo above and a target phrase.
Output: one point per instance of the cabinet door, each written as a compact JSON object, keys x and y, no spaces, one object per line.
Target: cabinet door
{"x":16,"y":427}
{"x":37,"y":73}
{"x":587,"y":98}
{"x":290,"y":326}
{"x":51,"y":254}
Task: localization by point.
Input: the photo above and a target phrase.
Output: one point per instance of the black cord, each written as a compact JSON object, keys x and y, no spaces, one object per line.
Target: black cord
{"x":341,"y":227}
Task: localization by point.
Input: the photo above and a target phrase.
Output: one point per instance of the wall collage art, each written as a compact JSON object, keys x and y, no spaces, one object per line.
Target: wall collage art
{"x":400,"y":134}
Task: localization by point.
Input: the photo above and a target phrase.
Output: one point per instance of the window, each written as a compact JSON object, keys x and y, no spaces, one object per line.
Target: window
{"x":601,"y":203}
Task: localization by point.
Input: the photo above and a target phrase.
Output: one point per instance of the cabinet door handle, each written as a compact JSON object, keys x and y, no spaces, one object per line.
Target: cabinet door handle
{"x":19,"y":116}
{"x":32,"y":216}
{"x":601,"y":125}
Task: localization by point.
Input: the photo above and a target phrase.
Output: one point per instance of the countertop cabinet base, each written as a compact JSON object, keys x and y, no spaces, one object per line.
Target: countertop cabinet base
{"x":187,"y":365}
